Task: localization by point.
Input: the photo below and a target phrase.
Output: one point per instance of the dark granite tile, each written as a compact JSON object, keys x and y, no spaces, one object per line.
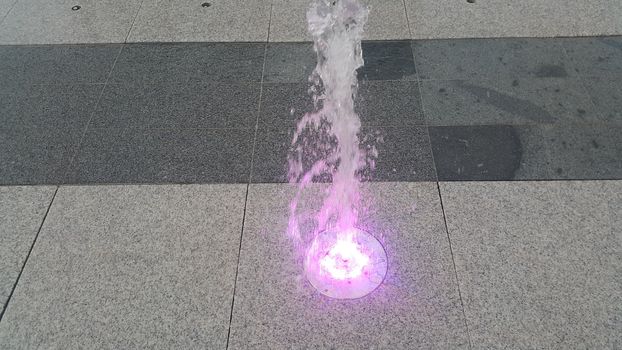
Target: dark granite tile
{"x":270,"y":156}
{"x":134,"y":155}
{"x":404,"y":154}
{"x":186,"y":62}
{"x":607,"y":96}
{"x":585,"y":152}
{"x":389,"y":103}
{"x":490,"y":59}
{"x":507,"y":101}
{"x":176,"y":105}
{"x":273,"y":147}
{"x":36,"y":156}
{"x":384,"y":60}
{"x":387,"y":60}
{"x":55,"y":64}
{"x":289,"y":62}
{"x":43,"y":106}
{"x":489,"y":153}
{"x":283,"y":104}
{"x":598,"y":57}
{"x":379,"y":103}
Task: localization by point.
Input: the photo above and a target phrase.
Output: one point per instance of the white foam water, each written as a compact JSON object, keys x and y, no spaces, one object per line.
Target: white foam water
{"x":326,"y":143}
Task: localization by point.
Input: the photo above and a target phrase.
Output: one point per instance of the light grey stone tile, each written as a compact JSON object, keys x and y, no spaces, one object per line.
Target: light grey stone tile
{"x":21,"y":212}
{"x":417,"y":306}
{"x":498,"y":18}
{"x":130,"y":267}
{"x":187,"y":20}
{"x":55,"y":22}
{"x":537,"y":263}
{"x":289,"y":21}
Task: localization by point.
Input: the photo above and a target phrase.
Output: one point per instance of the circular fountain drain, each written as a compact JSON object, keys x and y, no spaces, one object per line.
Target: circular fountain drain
{"x":206,"y":4}
{"x":346,"y":265}
{"x":76,"y":8}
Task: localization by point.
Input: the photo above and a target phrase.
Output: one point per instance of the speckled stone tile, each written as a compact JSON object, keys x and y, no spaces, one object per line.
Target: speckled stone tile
{"x":490,"y":59}
{"x":466,"y":153}
{"x":596,"y":56}
{"x":606,"y":92}
{"x":289,"y":62}
{"x":389,"y":103}
{"x":511,"y":102}
{"x":56,"y":22}
{"x":283,"y":104}
{"x":591,"y":152}
{"x":189,"y":62}
{"x":5,"y":7}
{"x":538,"y":263}
{"x":130,"y":267}
{"x":431,"y":19}
{"x":32,"y":156}
{"x":387,"y":60}
{"x":289,"y":21}
{"x":49,"y":106}
{"x":270,"y":156}
{"x":417,"y":305}
{"x":177,"y":105}
{"x":378,"y":103}
{"x":379,"y":28}
{"x":55,"y":64}
{"x":404,"y":154}
{"x":21,"y":213}
{"x":136,"y":155}
{"x":613,"y":193}
{"x":190,"y":21}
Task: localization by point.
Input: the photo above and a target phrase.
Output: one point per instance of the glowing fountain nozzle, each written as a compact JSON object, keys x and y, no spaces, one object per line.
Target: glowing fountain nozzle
{"x":346,"y":265}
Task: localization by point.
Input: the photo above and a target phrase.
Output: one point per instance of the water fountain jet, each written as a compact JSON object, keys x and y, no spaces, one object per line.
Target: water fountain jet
{"x":342,"y":261}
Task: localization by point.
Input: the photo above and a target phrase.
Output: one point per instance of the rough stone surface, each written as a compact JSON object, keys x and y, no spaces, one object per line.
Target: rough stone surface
{"x":498,"y":18}
{"x":190,"y":21}
{"x":21,"y":212}
{"x":130,"y":267}
{"x":417,"y":306}
{"x":54,"y":22}
{"x":538,"y":263}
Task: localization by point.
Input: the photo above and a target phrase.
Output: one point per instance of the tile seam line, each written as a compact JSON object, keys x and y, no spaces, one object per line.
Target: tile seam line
{"x":131,"y":184}
{"x":237,"y":268}
{"x":88,"y":123}
{"x":34,"y":241}
{"x":410,"y":32}
{"x":92,"y":184}
{"x":9,"y":11}
{"x":250,"y":177}
{"x":134,"y":21}
{"x":453,"y":261}
{"x":491,"y":38}
{"x":426,"y":124}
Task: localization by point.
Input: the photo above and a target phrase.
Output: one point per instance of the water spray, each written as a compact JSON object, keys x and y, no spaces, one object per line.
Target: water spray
{"x":342,"y":261}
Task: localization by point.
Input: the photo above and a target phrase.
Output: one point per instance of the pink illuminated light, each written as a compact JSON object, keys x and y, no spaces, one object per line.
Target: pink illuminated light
{"x":344,"y":260}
